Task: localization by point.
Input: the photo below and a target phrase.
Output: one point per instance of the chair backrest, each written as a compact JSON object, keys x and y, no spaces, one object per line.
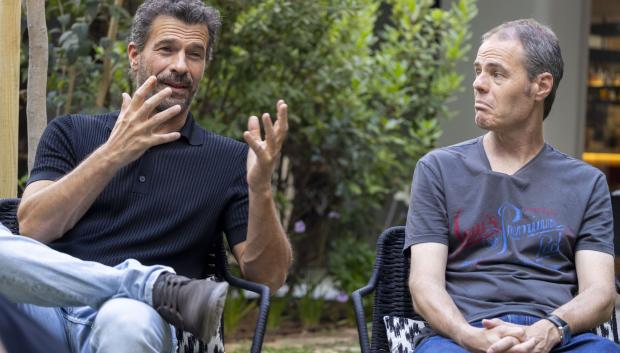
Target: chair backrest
{"x":392,"y":296}
{"x":8,"y":214}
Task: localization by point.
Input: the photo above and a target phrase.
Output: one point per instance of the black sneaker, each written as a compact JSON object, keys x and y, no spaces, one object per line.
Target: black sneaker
{"x":195,"y":306}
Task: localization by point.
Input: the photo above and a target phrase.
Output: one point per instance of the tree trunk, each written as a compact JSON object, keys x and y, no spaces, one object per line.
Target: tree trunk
{"x":106,"y":75}
{"x":10,"y":14}
{"x":36,"y":105}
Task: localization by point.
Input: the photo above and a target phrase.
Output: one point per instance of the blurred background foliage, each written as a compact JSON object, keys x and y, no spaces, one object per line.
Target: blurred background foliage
{"x":365,"y":80}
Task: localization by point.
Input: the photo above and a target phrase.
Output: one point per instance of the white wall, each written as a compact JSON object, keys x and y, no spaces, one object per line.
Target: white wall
{"x":570,"y":20}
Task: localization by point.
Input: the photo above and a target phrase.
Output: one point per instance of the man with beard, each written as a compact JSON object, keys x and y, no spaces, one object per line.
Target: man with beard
{"x":124,"y":200}
{"x":511,"y":241}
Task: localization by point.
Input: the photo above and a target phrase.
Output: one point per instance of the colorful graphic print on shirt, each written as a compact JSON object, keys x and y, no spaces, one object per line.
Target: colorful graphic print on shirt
{"x":535,"y":233}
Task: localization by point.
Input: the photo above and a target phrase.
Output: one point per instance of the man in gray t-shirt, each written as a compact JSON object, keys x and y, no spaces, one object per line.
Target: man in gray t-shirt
{"x":511,"y":241}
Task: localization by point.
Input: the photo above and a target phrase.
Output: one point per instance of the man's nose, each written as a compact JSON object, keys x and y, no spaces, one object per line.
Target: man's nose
{"x":481,"y":83}
{"x":180,"y":63}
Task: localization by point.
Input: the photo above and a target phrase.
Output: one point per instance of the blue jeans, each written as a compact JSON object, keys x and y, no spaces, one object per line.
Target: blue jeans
{"x":88,"y":306}
{"x":581,"y":343}
{"x":19,"y":333}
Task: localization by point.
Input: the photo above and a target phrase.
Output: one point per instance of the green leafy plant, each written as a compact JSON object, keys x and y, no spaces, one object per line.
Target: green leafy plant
{"x":78,"y":42}
{"x":365,"y":80}
{"x":350,"y":265}
{"x":236,"y":309}
{"x":310,"y":310}
{"x":276,"y":312}
{"x":310,"y":305}
{"x":21,"y":184}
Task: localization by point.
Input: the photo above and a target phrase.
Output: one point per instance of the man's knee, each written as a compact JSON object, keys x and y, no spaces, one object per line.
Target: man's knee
{"x":606,"y":346}
{"x":124,"y":323}
{"x":7,"y":240}
{"x":590,"y":343}
{"x":439,"y":344}
{"x":13,"y":248}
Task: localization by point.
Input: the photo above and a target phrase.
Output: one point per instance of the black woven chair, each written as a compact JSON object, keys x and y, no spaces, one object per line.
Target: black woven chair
{"x":217,"y":266}
{"x":389,"y":281}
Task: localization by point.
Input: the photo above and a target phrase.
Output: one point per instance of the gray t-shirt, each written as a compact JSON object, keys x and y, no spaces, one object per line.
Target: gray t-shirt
{"x":511,"y":238}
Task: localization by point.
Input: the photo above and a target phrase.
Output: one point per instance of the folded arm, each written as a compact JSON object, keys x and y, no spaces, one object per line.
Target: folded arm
{"x":432,"y":301}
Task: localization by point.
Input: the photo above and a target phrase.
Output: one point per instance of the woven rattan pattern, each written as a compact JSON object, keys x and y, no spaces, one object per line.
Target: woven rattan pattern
{"x":392,"y":293}
{"x":8,"y":214}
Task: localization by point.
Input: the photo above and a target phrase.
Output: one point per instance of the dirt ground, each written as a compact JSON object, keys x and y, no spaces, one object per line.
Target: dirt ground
{"x":341,"y":340}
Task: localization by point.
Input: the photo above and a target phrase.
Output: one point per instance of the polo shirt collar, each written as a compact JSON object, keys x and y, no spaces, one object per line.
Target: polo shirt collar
{"x":189,"y":131}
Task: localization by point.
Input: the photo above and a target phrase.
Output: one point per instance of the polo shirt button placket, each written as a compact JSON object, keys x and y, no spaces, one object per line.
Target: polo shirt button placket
{"x":143,"y":169}
{"x":140,"y":186}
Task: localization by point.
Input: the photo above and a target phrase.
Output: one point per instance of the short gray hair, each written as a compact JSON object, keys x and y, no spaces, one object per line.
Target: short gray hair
{"x":189,"y":11}
{"x":541,"y":51}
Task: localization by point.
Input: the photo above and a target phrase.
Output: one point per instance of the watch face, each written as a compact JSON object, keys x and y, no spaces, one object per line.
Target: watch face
{"x":565,"y":334}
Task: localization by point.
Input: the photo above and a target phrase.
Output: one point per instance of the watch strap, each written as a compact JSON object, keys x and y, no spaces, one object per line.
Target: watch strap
{"x":562,"y":326}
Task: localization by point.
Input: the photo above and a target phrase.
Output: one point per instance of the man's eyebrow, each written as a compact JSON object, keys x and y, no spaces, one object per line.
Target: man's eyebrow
{"x":197,"y":46}
{"x":165,"y":41}
{"x":490,"y":65}
{"x":172,"y":42}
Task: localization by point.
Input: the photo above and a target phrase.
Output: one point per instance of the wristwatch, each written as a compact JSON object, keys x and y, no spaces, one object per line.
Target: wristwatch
{"x":562,"y":326}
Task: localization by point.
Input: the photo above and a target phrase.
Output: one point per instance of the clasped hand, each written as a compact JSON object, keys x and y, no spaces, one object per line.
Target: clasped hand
{"x":539,"y":337}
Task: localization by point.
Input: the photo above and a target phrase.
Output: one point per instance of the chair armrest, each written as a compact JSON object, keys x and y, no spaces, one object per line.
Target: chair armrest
{"x":263,"y":308}
{"x":260,"y":289}
{"x":360,"y":317}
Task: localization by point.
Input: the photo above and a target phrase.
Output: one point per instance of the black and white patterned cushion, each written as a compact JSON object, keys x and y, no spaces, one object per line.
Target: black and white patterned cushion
{"x":609,"y":329}
{"x":401,"y":331}
{"x":190,"y":344}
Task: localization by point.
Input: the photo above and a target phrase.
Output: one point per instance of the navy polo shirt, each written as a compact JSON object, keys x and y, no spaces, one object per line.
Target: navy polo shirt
{"x":164,"y":208}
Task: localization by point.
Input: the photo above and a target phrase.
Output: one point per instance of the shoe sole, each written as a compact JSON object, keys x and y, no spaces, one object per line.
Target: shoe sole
{"x":216,"y":301}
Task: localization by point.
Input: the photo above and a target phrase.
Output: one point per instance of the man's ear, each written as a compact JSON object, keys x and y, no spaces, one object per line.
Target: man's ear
{"x":544,"y":84}
{"x":133,"y":54}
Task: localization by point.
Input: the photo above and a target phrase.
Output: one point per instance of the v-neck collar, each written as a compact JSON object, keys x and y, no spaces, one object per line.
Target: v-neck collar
{"x":516,"y":174}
